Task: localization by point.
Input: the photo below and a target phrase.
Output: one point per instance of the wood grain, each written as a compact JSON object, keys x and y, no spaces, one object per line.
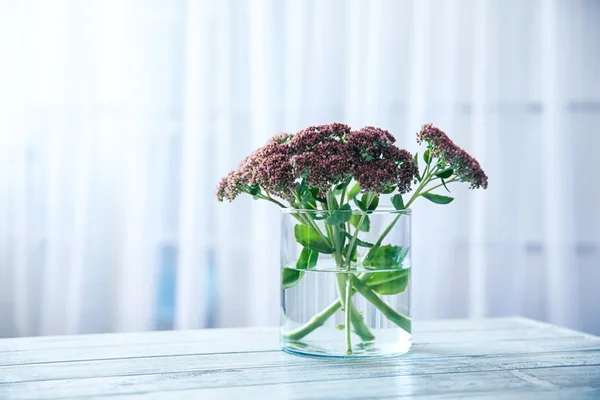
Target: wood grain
{"x":490,"y":358}
{"x":160,"y":337}
{"x":233,"y":341}
{"x":484,"y":385}
{"x":192,"y":362}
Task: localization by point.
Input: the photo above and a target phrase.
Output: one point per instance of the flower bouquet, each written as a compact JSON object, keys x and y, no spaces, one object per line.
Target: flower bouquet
{"x":345,"y":259}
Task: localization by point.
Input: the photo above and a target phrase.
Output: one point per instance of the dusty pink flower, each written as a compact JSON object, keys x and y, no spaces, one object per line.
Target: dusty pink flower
{"x":274,"y":172}
{"x":308,"y":138}
{"x":321,"y":156}
{"x":466,"y":168}
{"x":250,"y":165}
{"x":269,"y":167}
{"x":369,"y":142}
{"x":378,"y":163}
{"x":281,"y":138}
{"x":230,"y":187}
{"x":326,"y":164}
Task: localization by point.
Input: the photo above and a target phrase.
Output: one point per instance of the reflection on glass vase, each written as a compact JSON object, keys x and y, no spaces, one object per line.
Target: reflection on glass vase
{"x":345,"y":282}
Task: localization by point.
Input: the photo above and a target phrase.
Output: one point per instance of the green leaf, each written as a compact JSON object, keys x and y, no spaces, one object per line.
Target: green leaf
{"x":308,"y":197}
{"x":358,"y":241}
{"x":372,"y":205}
{"x":344,"y":184}
{"x":445,"y":174}
{"x":353,"y":254}
{"x":355,"y":220}
{"x":340,"y":236}
{"x":397,"y":202}
{"x":254,"y":189}
{"x":427,"y":156}
{"x":445,"y":187}
{"x":390,"y":282}
{"x":302,"y":186}
{"x":360,"y":204}
{"x":309,"y":238}
{"x":436,"y":198}
{"x":290,"y":277}
{"x":353,"y":191}
{"x":308,"y":259}
{"x":340,"y":327}
{"x":340,"y":216}
{"x":332,"y":201}
{"x":389,"y":190}
{"x":385,"y":257}
{"x":311,"y":204}
{"x":315,"y":193}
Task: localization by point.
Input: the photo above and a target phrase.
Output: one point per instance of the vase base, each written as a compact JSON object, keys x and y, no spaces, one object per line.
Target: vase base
{"x":336,"y":349}
{"x":310,"y":354}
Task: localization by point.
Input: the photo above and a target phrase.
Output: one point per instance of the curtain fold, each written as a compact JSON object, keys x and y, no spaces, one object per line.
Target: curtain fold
{"x":118,"y":118}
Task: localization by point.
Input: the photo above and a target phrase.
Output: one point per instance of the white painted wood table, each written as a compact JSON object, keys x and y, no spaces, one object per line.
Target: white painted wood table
{"x":507,"y":358}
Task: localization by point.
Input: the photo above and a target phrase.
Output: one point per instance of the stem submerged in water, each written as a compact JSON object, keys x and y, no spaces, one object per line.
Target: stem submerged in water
{"x":357,"y":320}
{"x":391,"y":314}
{"x":348,"y":307}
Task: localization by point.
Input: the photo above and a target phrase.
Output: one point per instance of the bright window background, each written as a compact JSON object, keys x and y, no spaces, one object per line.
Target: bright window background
{"x":117,"y":118}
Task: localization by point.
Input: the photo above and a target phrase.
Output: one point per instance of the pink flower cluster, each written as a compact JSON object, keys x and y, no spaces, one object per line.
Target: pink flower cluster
{"x":308,"y":138}
{"x":326,"y":155}
{"x":378,"y":163}
{"x":466,"y":168}
{"x":325,"y":165}
{"x":318,"y":154}
{"x":269,"y":167}
{"x":231,"y":186}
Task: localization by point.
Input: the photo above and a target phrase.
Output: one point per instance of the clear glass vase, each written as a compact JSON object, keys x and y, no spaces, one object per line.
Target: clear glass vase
{"x":331,"y":259}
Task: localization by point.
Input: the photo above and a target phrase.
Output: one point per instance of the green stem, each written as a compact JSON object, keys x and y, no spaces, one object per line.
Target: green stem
{"x":308,"y":220}
{"x":312,"y":223}
{"x":316,"y":321}
{"x":348,"y":307}
{"x":272,"y":200}
{"x":319,"y":319}
{"x":427,"y":177}
{"x":386,"y":231}
{"x":351,"y":244}
{"x":391,"y":314}
{"x":359,"y":326}
{"x":440,"y":185}
{"x":342,"y":281}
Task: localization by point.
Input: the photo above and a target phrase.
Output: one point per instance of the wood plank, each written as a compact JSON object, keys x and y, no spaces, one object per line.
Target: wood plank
{"x":574,"y":376}
{"x":167,"y":364}
{"x":250,"y":341}
{"x":426,"y":370}
{"x":158,"y":337}
{"x":526,"y":394}
{"x":354,"y":383}
{"x":494,"y":390}
{"x":124,"y":339}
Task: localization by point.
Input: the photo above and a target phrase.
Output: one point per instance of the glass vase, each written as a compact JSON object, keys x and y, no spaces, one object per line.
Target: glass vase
{"x":345,"y":280}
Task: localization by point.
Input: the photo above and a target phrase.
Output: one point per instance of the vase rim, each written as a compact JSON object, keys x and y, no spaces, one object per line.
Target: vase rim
{"x":353,"y":210}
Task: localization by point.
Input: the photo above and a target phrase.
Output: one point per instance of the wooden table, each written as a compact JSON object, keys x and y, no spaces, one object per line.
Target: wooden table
{"x":508,"y":358}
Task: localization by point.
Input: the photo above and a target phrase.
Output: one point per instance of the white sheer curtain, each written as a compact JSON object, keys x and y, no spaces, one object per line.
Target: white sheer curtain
{"x":117,"y":119}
